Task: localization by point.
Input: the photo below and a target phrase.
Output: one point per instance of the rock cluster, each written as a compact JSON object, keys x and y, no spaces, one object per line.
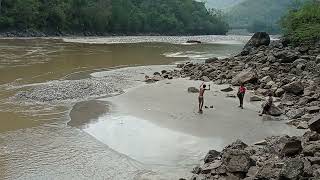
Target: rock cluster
{"x":287,"y":158}
{"x":291,"y":74}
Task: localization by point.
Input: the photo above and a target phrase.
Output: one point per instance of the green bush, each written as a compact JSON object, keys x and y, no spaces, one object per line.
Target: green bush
{"x":303,"y":25}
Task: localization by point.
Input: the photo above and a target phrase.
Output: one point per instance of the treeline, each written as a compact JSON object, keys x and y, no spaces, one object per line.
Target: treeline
{"x":111,"y":16}
{"x":303,"y":25}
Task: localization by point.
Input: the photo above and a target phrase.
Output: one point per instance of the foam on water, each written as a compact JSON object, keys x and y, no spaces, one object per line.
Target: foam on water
{"x":165,"y":39}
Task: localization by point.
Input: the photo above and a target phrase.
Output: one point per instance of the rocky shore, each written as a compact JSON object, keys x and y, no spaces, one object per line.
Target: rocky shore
{"x":292,"y":75}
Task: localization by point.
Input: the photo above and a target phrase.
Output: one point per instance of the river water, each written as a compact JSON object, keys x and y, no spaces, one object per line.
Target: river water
{"x":45,"y":83}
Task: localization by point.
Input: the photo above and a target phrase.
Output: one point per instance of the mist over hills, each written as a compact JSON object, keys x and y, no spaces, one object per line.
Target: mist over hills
{"x":254,"y":15}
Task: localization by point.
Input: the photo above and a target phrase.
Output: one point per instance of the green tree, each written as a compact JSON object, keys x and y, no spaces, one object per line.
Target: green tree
{"x":303,"y":25}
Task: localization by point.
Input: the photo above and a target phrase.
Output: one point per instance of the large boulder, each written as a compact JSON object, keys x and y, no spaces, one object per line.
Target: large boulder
{"x":295,"y":87}
{"x":314,"y":124}
{"x":275,"y":111}
{"x":295,"y":113}
{"x":258,"y":39}
{"x":310,"y":148}
{"x":292,"y":169}
{"x":286,"y":56}
{"x":246,"y":76}
{"x":292,"y":147}
{"x":237,"y":160}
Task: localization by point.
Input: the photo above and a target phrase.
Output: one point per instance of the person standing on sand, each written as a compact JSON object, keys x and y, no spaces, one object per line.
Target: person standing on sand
{"x":240,"y":94}
{"x":201,"y":93}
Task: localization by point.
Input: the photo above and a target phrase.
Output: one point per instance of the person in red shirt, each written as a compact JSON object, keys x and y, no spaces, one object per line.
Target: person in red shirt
{"x":241,"y":93}
{"x":201,"y":93}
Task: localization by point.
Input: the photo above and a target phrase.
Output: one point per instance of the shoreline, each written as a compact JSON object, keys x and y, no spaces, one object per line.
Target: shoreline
{"x":183,"y":123}
{"x":34,"y":33}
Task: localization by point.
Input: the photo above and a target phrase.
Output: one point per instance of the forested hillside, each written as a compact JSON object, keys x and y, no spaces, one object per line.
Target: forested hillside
{"x":110,"y":16}
{"x":260,"y":15}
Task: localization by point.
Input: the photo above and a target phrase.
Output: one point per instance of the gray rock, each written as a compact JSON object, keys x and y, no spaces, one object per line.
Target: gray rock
{"x":313,"y":109}
{"x":211,"y":156}
{"x":286,"y":56}
{"x":295,"y":87}
{"x":295,"y":113}
{"x":268,"y":171}
{"x":205,"y":79}
{"x":180,"y":65}
{"x":266,"y":79}
{"x":150,"y":80}
{"x":236,"y":160}
{"x":231,"y":96}
{"x":310,"y":148}
{"x":292,"y":169}
{"x":211,"y":60}
{"x":318,"y":59}
{"x":208,"y":167}
{"x":292,"y":147}
{"x":314,"y":124}
{"x":246,"y":76}
{"x":275,"y":111}
{"x":194,"y":41}
{"x":256,"y":98}
{"x":279,"y":92}
{"x":314,"y":160}
{"x":303,"y":125}
{"x":228,"y":89}
{"x":157,"y":78}
{"x":238,"y":144}
{"x":196,"y":170}
{"x":193,"y":90}
{"x":261,"y":143}
{"x":252,"y":171}
{"x":271,"y":118}
{"x":262,"y":91}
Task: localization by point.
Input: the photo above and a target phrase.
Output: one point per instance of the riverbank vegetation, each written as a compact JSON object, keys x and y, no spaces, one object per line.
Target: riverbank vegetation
{"x":303,"y":25}
{"x":110,"y":16}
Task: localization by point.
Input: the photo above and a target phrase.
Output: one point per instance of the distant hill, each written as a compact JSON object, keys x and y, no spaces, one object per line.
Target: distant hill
{"x":221,"y":4}
{"x":258,"y":15}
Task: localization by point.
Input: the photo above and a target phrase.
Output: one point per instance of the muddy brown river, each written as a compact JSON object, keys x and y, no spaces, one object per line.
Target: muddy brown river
{"x":61,"y":119}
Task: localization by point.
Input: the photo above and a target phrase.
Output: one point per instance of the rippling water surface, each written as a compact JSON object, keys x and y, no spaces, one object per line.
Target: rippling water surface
{"x":41,"y":79}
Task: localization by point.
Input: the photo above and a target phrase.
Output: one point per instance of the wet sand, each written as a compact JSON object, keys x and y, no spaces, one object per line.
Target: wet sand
{"x":159,"y":125}
{"x":87,"y":112}
{"x":169,"y":105}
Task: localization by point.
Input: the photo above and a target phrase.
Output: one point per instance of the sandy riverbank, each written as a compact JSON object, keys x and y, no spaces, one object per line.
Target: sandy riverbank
{"x":158,"y":125}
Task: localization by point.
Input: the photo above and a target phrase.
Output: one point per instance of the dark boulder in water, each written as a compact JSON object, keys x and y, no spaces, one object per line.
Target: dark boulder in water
{"x":194,"y":41}
{"x":258,"y":39}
